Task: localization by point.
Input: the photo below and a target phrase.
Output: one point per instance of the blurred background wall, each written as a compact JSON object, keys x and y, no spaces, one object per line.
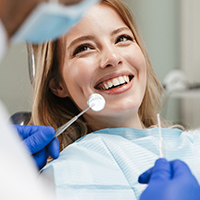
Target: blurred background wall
{"x":15,"y":86}
{"x":171,"y":33}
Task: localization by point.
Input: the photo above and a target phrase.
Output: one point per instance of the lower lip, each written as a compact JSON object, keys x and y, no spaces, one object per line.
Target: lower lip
{"x":119,"y":90}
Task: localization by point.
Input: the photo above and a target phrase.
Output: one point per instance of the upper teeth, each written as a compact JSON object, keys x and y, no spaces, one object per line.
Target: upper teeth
{"x":114,"y":82}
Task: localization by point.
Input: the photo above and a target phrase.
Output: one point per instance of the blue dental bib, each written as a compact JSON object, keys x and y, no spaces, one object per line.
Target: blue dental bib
{"x":106,"y":164}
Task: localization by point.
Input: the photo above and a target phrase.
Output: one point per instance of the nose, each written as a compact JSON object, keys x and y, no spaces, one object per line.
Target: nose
{"x":110,"y":57}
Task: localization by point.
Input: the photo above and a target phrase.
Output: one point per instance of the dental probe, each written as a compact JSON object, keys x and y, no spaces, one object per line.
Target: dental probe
{"x":95,"y":101}
{"x":161,"y":142}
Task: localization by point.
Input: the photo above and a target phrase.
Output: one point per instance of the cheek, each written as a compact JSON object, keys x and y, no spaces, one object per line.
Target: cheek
{"x":77,"y":75}
{"x":135,"y":58}
{"x":138,"y":62}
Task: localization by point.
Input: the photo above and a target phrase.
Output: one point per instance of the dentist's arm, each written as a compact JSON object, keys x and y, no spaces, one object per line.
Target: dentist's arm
{"x":169,"y":181}
{"x":14,"y":12}
{"x":40,"y":142}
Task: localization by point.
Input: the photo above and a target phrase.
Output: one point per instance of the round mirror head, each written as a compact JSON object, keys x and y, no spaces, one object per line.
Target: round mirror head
{"x":96,"y":102}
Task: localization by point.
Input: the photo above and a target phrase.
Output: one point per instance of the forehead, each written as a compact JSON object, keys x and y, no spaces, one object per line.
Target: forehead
{"x":99,"y":18}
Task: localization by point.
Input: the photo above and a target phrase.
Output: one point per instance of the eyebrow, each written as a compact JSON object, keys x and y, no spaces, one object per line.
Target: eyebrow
{"x":80,"y":39}
{"x":120,"y":30}
{"x":89,"y":37}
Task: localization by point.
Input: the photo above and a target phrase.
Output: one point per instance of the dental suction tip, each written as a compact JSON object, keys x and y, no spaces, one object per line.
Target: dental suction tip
{"x":96,"y":102}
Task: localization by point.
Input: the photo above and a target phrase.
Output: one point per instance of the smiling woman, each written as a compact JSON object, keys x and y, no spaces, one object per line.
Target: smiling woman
{"x":103,"y":54}
{"x":97,"y":54}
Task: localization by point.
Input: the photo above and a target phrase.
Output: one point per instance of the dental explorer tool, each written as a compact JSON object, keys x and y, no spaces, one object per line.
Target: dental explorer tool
{"x":161,"y":142}
{"x":95,"y":101}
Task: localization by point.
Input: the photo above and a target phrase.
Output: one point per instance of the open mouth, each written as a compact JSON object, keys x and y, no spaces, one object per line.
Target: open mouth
{"x":114,"y":82}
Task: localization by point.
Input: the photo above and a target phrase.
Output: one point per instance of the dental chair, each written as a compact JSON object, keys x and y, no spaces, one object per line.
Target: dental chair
{"x":23,"y":118}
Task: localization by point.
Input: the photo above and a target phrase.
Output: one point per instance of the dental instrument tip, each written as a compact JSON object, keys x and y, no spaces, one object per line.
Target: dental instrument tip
{"x":95,"y":101}
{"x":161,"y":142}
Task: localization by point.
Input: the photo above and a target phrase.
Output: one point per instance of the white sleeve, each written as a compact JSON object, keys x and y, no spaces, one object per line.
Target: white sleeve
{"x":18,"y":173}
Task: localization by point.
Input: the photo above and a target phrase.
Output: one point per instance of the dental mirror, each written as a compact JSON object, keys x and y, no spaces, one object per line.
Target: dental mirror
{"x":95,"y":101}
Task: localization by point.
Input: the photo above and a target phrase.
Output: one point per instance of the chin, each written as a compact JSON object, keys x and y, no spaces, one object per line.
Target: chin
{"x":121,"y":111}
{"x":124,"y":106}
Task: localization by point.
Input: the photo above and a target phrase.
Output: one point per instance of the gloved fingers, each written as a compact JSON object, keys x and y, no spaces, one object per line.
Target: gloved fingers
{"x":26,"y":130}
{"x":144,"y":177}
{"x":40,"y":139}
{"x":180,"y":168}
{"x":21,"y":130}
{"x":41,"y":158}
{"x":183,"y":175}
{"x":53,"y":148}
{"x":161,"y":171}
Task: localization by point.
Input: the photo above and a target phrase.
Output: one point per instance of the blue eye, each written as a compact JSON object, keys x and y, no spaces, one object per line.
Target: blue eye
{"x":123,"y":38}
{"x":82,"y":48}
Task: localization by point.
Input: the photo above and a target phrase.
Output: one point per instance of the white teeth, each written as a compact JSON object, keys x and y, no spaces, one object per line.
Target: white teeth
{"x":115,"y":82}
{"x":106,"y":86}
{"x":121,"y":80}
{"x":126,"y":78}
{"x":109,"y":84}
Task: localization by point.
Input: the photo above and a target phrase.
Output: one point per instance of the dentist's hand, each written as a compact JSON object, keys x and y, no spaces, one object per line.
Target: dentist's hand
{"x":40,"y":142}
{"x":169,"y":181}
{"x":14,"y":12}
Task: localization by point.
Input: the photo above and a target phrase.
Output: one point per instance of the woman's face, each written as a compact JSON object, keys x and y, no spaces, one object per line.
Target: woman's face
{"x":101,"y":56}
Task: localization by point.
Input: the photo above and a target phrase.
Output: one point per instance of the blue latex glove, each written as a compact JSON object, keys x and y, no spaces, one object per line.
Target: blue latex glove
{"x":40,"y":142}
{"x":169,"y":181}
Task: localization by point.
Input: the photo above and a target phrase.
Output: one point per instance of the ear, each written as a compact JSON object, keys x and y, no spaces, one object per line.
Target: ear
{"x":57,"y":88}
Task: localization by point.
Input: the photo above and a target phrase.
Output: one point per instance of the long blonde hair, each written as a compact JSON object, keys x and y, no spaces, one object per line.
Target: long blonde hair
{"x":50,"y":110}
